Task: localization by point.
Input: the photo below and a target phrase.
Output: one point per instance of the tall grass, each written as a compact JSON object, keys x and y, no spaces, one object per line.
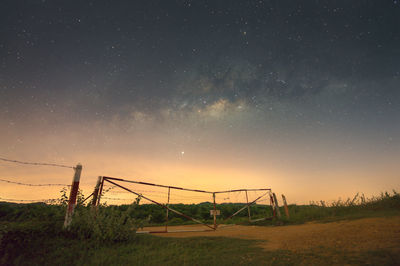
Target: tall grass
{"x":359,"y":206}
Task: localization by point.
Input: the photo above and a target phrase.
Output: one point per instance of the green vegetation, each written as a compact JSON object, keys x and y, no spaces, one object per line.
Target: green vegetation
{"x":358,"y":207}
{"x":33,"y":234}
{"x":36,"y":245}
{"x":155,"y":215}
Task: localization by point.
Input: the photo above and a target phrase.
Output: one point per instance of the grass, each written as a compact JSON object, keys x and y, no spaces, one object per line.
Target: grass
{"x":29,"y":244}
{"x":39,"y":249}
{"x":150,"y":250}
{"x":31,"y":234}
{"x":358,"y":207}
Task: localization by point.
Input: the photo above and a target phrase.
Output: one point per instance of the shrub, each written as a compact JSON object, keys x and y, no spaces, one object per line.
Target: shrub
{"x":109,"y":224}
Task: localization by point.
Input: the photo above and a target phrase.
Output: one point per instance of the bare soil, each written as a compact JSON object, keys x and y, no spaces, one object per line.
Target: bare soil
{"x":354,"y":235}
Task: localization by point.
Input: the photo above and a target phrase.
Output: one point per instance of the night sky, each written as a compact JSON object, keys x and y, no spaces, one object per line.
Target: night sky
{"x":299,"y":96}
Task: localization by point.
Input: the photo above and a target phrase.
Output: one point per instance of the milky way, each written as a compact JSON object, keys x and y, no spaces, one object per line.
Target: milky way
{"x":290,"y":91}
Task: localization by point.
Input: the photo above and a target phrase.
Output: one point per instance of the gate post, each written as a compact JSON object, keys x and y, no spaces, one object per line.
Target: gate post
{"x":286,"y":207}
{"x":73,"y":195}
{"x":100,"y":191}
{"x":96,"y":192}
{"x":271,"y":200}
{"x":215,"y":212}
{"x":278,"y":212}
{"x":166,"y":223}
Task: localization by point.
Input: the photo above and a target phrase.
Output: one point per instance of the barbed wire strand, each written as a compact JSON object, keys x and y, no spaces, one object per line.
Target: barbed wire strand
{"x":32,"y":163}
{"x":34,"y":185}
{"x":116,"y":198}
{"x":36,"y":200}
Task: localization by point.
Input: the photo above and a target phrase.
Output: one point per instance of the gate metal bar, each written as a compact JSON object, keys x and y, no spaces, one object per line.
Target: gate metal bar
{"x":166,"y":206}
{"x":156,"y":185}
{"x":159,"y":204}
{"x":237,"y":190}
{"x":248,"y":204}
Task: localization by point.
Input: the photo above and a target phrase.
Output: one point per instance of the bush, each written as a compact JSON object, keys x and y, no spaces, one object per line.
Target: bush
{"x":109,"y":224}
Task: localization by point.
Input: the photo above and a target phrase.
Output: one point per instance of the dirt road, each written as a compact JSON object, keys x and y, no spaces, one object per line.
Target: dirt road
{"x":355,"y":235}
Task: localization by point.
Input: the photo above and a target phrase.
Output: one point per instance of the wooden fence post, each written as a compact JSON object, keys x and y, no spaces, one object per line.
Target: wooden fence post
{"x":215,"y":212}
{"x":100,"y":191}
{"x":286,"y":207}
{"x":96,"y":192}
{"x":166,"y":223}
{"x":271,"y":199}
{"x":278,"y":212}
{"x":73,"y":195}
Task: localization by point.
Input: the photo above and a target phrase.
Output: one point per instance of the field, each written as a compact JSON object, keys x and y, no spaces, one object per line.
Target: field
{"x":362,"y":232}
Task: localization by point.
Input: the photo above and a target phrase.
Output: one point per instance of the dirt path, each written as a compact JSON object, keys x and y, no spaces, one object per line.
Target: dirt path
{"x":356,"y":235}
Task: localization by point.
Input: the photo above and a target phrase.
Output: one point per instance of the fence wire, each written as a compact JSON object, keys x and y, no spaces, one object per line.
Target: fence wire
{"x":34,"y":185}
{"x":30,"y":200}
{"x":33,"y":163}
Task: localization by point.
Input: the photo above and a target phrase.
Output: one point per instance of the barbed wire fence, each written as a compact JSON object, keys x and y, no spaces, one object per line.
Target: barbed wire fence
{"x":34,"y":185}
{"x":47,"y":200}
{"x":74,"y":187}
{"x":157,"y":194}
